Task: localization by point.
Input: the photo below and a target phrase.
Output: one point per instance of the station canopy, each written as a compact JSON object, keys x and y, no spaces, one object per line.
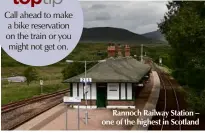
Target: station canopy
{"x":121,"y":69}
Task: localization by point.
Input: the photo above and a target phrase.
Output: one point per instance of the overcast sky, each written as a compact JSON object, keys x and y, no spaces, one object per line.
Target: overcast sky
{"x":136,"y":16}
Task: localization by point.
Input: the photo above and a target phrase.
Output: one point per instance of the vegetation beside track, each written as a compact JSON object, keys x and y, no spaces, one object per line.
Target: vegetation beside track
{"x":11,"y":92}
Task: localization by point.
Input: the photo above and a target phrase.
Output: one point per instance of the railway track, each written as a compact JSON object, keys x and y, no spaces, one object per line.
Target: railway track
{"x":167,"y":101}
{"x":14,"y":105}
{"x":16,"y":113}
{"x":170,"y":101}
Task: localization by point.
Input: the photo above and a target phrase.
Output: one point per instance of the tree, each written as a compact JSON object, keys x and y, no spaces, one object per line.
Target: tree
{"x":31,"y":74}
{"x":76,"y":68}
{"x":72,"y":69}
{"x":184,"y":27}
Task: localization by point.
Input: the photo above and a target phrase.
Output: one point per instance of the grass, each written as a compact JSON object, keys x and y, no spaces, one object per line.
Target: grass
{"x":17,"y":91}
{"x":166,"y":69}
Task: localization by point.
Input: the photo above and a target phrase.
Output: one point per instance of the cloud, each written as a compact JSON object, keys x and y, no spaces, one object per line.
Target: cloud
{"x":103,"y":16}
{"x":98,"y":6}
{"x":136,"y":16}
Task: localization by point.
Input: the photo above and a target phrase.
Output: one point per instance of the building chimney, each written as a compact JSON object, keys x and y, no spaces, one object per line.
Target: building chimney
{"x":111,"y":50}
{"x":119,"y":50}
{"x":127,"y":50}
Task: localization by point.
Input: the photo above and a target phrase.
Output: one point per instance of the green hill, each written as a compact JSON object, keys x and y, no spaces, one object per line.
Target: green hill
{"x":156,"y":35}
{"x":114,"y":35}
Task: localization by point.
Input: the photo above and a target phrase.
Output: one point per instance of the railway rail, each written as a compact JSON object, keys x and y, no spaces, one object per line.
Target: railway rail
{"x":14,"y":105}
{"x":168,"y":100}
{"x":16,"y":113}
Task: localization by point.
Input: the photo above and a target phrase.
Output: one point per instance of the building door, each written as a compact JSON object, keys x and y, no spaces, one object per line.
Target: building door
{"x":101,"y":95}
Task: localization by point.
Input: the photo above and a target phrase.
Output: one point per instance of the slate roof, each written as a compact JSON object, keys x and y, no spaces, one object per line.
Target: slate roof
{"x":121,"y":69}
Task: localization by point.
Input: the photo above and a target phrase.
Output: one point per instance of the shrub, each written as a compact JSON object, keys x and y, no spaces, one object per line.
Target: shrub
{"x":196,"y":101}
{"x":31,"y":74}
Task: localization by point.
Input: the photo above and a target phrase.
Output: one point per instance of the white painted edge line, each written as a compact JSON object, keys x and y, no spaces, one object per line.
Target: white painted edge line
{"x":151,"y":103}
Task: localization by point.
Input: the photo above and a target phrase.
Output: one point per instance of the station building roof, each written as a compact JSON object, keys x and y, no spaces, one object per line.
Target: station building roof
{"x":121,"y":69}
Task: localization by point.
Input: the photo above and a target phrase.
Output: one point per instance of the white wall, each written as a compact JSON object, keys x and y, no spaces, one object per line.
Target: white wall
{"x":74,"y":89}
{"x":81,"y":90}
{"x":93,"y":91}
{"x":129,"y":91}
{"x":123,"y":97}
{"x":113,"y":95}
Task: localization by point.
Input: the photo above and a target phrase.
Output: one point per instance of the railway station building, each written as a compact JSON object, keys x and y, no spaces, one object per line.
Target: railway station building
{"x":115,"y":82}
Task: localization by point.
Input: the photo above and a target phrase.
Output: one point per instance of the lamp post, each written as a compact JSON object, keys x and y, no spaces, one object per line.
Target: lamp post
{"x":86,"y":101}
{"x":85,"y":81}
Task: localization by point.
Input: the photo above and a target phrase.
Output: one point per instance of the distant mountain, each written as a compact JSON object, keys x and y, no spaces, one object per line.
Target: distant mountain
{"x":115,"y":35}
{"x":156,"y":35}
